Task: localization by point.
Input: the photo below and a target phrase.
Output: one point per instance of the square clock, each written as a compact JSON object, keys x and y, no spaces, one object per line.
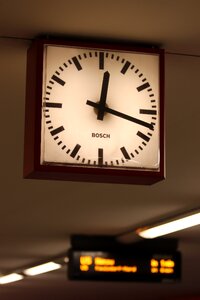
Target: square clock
{"x":94,"y":112}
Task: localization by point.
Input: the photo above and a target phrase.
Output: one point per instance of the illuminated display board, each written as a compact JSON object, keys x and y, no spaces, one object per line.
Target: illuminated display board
{"x":97,"y":265}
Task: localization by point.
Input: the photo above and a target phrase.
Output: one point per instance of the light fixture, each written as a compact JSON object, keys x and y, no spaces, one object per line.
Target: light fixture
{"x":44,"y":268}
{"x":169,"y":227}
{"x":10,"y":278}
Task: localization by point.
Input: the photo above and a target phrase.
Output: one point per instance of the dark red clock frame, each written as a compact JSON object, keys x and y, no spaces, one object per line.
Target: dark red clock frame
{"x":32,"y":166}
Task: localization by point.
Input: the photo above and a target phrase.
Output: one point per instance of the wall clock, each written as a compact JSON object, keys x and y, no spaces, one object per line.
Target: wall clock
{"x":94,"y":112}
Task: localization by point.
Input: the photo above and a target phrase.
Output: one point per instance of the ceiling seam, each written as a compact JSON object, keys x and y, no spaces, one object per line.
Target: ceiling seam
{"x":166,"y":52}
{"x":182,"y":54}
{"x":16,"y":38}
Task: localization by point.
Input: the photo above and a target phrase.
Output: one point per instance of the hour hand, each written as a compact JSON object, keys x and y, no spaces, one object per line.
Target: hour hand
{"x":103,"y":97}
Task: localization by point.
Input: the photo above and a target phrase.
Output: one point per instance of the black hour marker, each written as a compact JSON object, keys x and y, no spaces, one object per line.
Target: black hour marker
{"x":75,"y":150}
{"x":57,"y":130}
{"x":100,"y":156}
{"x":58,"y":80}
{"x":125,"y":153}
{"x":143,"y":136}
{"x":143,"y":87}
{"x":53,"y":104}
{"x":101,"y":60}
{"x":77,"y":63}
{"x":148,"y":111}
{"x":125,"y":67}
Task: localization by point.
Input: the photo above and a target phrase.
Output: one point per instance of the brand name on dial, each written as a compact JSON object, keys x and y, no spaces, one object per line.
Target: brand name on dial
{"x":101,"y":135}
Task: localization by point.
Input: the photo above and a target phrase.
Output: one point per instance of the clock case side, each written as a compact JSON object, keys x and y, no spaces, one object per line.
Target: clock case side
{"x":162,"y":170}
{"x":34,"y":73}
{"x":32,"y":166}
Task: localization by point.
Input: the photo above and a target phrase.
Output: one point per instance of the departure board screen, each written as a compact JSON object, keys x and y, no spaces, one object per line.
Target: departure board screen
{"x":104,"y":266}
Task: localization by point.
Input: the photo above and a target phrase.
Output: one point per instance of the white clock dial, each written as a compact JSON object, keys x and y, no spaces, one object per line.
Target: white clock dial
{"x":100,"y":108}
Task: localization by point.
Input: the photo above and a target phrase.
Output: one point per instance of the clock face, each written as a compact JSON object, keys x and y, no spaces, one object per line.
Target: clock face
{"x":100,"y":108}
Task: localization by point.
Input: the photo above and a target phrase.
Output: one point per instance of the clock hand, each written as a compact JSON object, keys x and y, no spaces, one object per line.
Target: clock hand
{"x":103,"y":97}
{"x":121,"y":115}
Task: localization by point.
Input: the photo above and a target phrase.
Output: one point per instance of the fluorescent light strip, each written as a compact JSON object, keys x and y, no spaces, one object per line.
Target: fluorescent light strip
{"x":10,"y":278}
{"x":44,"y":268}
{"x":170,"y":227}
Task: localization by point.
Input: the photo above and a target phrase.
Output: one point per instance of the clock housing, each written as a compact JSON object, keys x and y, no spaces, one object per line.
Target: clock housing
{"x":94,"y":112}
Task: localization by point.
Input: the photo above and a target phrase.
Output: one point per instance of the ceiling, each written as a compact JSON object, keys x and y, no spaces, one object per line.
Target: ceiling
{"x":38,"y":217}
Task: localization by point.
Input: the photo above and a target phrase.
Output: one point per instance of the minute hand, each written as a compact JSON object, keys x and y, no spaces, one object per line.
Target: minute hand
{"x":121,"y":115}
